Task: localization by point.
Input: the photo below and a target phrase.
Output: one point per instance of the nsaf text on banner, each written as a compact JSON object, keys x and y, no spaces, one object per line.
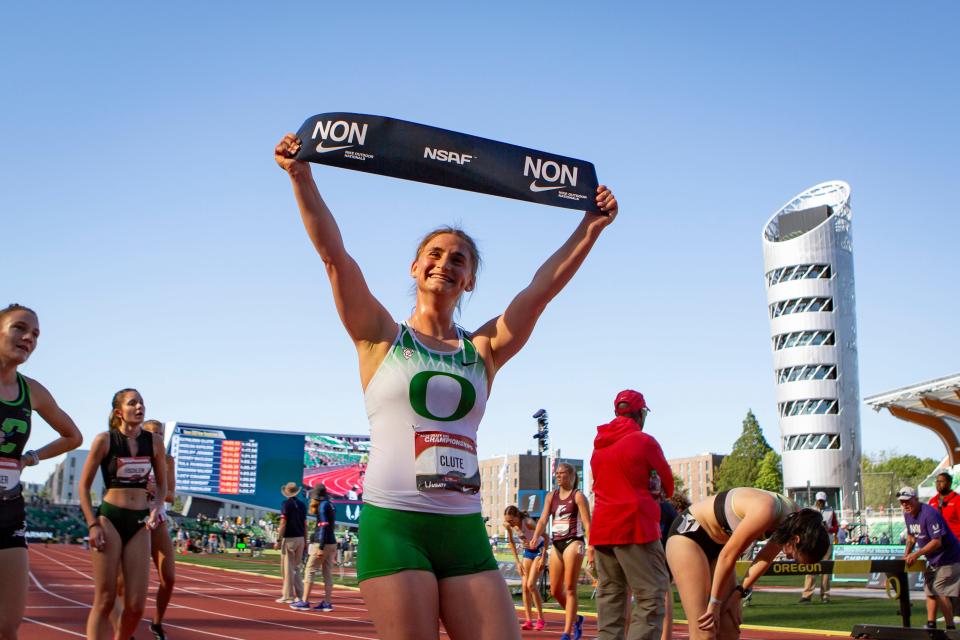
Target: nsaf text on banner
{"x":410,"y":151}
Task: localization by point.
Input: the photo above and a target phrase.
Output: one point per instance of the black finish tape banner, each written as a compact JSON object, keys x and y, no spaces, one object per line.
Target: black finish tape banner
{"x":411,"y":151}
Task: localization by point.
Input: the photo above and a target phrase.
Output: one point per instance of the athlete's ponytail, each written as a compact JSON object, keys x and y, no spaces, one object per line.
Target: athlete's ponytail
{"x":807,"y":525}
{"x":114,"y":422}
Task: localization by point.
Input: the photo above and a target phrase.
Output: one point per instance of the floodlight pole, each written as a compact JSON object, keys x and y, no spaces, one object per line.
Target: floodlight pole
{"x":542,"y":436}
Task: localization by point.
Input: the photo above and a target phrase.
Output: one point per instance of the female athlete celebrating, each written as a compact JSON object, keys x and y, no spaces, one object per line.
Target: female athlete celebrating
{"x":118,"y":540}
{"x":571,"y":528}
{"x":20,"y":396}
{"x":534,"y":550}
{"x":705,"y":541}
{"x":426,"y":383}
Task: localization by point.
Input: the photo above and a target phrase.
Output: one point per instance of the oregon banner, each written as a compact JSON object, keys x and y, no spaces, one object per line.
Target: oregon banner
{"x":411,"y":151}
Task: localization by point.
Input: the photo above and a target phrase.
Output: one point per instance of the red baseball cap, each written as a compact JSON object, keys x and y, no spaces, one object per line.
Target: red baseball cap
{"x":634,"y":400}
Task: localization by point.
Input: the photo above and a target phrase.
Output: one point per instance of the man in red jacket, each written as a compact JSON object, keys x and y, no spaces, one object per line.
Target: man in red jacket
{"x":947,"y":502}
{"x":625,"y":527}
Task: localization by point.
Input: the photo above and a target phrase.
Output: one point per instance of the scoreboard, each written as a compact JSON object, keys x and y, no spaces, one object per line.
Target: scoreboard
{"x":249,"y":466}
{"x":208,"y":461}
{"x":243,"y":466}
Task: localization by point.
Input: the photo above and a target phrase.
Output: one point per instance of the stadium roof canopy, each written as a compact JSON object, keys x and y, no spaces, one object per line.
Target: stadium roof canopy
{"x":934,"y":404}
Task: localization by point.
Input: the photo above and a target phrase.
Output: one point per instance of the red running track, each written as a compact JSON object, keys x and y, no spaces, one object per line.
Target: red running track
{"x":210,"y":604}
{"x":338,"y":481}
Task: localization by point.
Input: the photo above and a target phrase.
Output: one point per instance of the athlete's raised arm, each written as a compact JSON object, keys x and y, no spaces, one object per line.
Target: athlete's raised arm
{"x":508,"y":333}
{"x":365,"y":319}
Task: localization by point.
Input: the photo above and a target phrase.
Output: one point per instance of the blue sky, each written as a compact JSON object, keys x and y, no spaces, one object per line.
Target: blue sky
{"x":146,"y":222}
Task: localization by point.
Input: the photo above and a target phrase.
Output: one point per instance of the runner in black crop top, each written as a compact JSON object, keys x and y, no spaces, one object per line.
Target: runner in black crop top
{"x":119,"y":469}
{"x":119,"y":541}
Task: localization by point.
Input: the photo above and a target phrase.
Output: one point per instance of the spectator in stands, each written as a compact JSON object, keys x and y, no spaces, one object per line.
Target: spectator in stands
{"x":929,"y":535}
{"x":292,"y":541}
{"x":843,"y":533}
{"x":832,"y":526}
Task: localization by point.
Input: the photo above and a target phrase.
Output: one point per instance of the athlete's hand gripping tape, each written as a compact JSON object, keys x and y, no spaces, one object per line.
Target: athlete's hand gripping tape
{"x":411,"y":151}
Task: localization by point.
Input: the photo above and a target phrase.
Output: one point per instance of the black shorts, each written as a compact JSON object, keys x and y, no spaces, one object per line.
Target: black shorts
{"x":127,"y":522}
{"x":561,"y":545}
{"x":13,"y":524}
{"x":687,"y":526}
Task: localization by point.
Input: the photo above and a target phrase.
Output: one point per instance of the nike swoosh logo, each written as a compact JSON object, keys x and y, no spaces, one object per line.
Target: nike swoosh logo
{"x":537,"y":188}
{"x":323,"y":149}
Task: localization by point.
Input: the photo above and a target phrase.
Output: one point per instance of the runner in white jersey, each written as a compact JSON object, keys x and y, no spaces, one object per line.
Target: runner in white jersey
{"x":425,"y":552}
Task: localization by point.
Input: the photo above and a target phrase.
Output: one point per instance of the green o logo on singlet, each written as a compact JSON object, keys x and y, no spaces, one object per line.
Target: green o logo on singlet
{"x":9,"y":426}
{"x":418,"y":396}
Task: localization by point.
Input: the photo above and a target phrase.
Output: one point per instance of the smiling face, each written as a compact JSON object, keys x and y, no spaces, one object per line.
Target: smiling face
{"x":19,"y":331}
{"x":444,"y":265}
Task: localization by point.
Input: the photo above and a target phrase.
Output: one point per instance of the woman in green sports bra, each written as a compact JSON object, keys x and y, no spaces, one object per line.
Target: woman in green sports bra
{"x":425,"y":384}
{"x":20,"y":396}
{"x":706,"y":540}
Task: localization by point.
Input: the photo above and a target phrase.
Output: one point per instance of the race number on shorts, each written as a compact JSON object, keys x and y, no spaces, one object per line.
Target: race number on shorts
{"x":9,"y":473}
{"x":133,"y":469}
{"x":446,"y":461}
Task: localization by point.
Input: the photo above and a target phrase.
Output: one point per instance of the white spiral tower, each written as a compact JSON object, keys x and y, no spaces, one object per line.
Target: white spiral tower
{"x":808,"y":260}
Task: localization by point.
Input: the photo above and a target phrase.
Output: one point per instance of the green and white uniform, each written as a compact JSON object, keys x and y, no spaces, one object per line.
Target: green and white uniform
{"x":424,"y":408}
{"x":421,"y":488}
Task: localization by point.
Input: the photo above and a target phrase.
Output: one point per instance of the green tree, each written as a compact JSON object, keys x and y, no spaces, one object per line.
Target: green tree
{"x":742,"y":466}
{"x":678,"y":484}
{"x":885,"y":472}
{"x":770,"y":474}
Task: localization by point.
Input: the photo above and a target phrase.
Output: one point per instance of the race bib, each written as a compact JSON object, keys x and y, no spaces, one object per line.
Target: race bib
{"x":446,"y":461}
{"x":9,"y":473}
{"x":133,"y":469}
{"x":561,"y":526}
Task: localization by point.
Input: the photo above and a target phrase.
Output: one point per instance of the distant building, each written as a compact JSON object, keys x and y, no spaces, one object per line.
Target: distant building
{"x":697,"y":474}
{"x":503,"y":477}
{"x":62,"y":484}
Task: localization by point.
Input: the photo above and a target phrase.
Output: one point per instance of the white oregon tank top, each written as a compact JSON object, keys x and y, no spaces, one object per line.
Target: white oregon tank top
{"x":424,"y":407}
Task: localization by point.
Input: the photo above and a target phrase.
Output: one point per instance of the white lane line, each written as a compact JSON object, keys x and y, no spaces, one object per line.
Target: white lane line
{"x":256,"y":592}
{"x":51,"y":626}
{"x":87,"y":606}
{"x":214,"y":613}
